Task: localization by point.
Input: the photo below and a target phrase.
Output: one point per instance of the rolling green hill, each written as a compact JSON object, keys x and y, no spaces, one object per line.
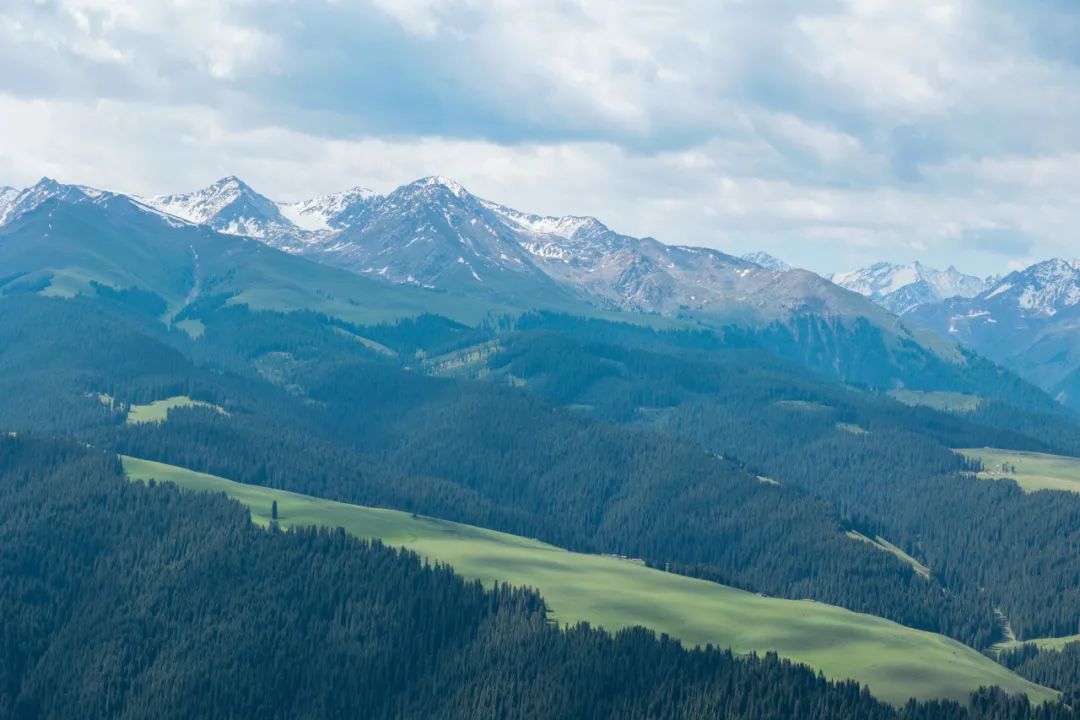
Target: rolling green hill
{"x":894,"y":661}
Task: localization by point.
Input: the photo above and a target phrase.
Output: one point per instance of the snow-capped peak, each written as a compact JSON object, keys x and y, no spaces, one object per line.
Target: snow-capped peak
{"x":1044,"y":288}
{"x":767,"y":261}
{"x":569,"y":227}
{"x":23,"y":201}
{"x":230,"y":206}
{"x":205,"y":205}
{"x":330,"y":212}
{"x":438,"y":180}
{"x":901,"y":288}
{"x":7,"y":197}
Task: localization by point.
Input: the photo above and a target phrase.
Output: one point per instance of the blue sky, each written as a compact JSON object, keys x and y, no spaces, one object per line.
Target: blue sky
{"x":830,"y":133}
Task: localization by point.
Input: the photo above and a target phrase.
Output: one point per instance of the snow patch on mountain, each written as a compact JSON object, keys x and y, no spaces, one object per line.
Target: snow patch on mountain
{"x":330,"y":212}
{"x":902,"y":288}
{"x":201,"y":206}
{"x":24,"y":201}
{"x":7,"y":197}
{"x":231,"y":206}
{"x":1045,"y":288}
{"x":569,"y":227}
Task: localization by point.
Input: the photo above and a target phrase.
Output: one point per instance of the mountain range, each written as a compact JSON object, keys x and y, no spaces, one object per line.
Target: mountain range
{"x":902,"y":288}
{"x":434,"y":234}
{"x":1026,"y":320}
{"x":453,"y":248}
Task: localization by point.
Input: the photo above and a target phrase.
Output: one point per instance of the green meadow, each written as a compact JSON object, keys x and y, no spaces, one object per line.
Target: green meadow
{"x":158,"y":411}
{"x":1053,"y":643}
{"x":1030,"y":470}
{"x":894,"y":661}
{"x":938,"y":400}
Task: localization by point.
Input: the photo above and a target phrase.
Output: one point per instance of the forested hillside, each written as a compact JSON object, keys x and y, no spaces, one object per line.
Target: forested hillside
{"x":485,"y":454}
{"x":702,"y":453}
{"x":129,"y":601}
{"x":894,"y":476}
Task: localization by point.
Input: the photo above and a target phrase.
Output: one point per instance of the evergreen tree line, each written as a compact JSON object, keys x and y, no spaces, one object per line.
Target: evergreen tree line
{"x":1055,"y":668}
{"x":127,"y":601}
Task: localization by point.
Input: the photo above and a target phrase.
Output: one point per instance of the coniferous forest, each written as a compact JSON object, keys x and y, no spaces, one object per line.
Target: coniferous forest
{"x":595,"y":436}
{"x":128,"y":601}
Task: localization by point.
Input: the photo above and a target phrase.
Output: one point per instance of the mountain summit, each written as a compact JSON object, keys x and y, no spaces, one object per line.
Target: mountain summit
{"x":901,"y":288}
{"x":230,"y":206}
{"x":434,"y":233}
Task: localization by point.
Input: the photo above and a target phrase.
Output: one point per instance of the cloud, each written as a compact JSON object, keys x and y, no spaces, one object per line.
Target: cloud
{"x":826,"y":131}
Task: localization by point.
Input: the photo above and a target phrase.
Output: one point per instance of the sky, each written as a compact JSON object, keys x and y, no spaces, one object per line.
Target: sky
{"x":831,"y":133}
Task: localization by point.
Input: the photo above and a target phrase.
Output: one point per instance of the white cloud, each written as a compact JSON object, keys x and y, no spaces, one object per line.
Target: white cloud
{"x":823,"y":130}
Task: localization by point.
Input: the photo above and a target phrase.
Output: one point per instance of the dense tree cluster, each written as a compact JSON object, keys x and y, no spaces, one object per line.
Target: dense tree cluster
{"x":1059,"y":669}
{"x":127,"y":601}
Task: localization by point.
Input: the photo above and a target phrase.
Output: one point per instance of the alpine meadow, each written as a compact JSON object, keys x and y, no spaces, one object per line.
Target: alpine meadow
{"x":451,"y":360}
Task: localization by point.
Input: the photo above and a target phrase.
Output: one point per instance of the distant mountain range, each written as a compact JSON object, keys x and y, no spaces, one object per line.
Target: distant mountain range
{"x":901,"y":288}
{"x":433,"y":236}
{"x":1027,"y":320}
{"x":431,"y":246}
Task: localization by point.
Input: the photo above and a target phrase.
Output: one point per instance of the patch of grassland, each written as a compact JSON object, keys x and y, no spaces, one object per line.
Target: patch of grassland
{"x":944,"y":401}
{"x":1054,"y":643}
{"x":1030,"y":470}
{"x":193,"y":327}
{"x":882,"y":544}
{"x":158,"y":411}
{"x":852,"y":428}
{"x":894,"y":661}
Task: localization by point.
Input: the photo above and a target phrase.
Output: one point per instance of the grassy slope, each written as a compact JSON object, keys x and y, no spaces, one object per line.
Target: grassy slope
{"x":894,"y":661}
{"x":158,"y":411}
{"x":1055,"y":643}
{"x":1034,"y":471}
{"x":939,"y":400}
